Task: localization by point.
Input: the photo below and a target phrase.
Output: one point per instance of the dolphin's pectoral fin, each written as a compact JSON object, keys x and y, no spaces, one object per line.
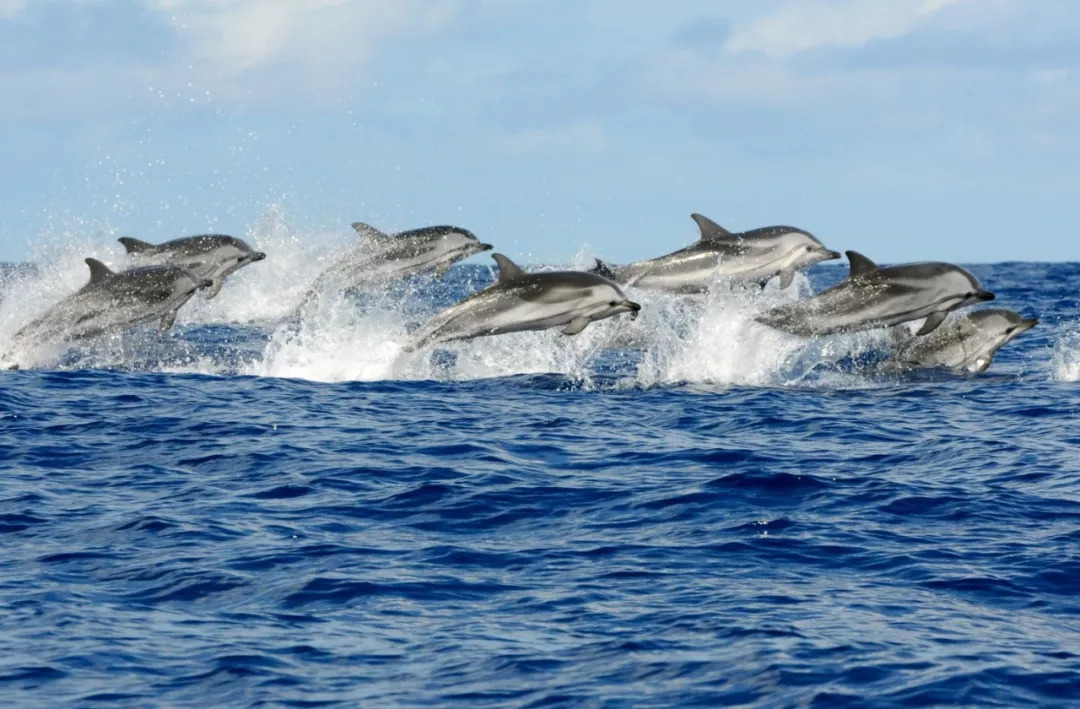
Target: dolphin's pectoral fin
{"x":576,"y":325}
{"x":214,"y":288}
{"x":932,"y":322}
{"x":167,"y":320}
{"x":786,"y":277}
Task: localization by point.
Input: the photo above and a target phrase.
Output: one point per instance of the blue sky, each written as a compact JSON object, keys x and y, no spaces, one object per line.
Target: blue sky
{"x":906,"y":129}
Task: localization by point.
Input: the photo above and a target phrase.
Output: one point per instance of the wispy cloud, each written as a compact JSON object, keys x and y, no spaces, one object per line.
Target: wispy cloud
{"x":180,"y":54}
{"x":799,"y":26}
{"x":762,"y":60}
{"x":320,"y":43}
{"x":11,"y":8}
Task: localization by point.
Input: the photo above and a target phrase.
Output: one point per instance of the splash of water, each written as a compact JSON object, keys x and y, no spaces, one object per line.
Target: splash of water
{"x":255,"y":326}
{"x":267,"y":291}
{"x":334,"y":341}
{"x":1065,"y":360}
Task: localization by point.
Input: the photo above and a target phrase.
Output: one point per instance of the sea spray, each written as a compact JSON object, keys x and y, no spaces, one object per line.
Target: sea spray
{"x":1065,"y":360}
{"x":255,"y":326}
{"x":334,"y":340}
{"x":268,"y":291}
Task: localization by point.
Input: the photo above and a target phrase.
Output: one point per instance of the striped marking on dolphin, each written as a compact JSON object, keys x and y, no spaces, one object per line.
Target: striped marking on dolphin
{"x":752,"y":256}
{"x":875,"y":296}
{"x":212,"y":256}
{"x":964,"y":343}
{"x":112,"y":302}
{"x":382,"y":258}
{"x":521,"y":301}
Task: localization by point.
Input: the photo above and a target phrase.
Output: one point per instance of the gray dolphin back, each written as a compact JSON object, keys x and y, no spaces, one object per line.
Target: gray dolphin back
{"x":212,"y":256}
{"x":873,"y":296}
{"x":520,"y":301}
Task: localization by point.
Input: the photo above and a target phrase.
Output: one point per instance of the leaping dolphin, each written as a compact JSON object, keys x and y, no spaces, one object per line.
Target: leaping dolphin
{"x":385,"y":257}
{"x":752,"y":256}
{"x":879,"y":296}
{"x":212,"y":256}
{"x":968,"y":342}
{"x":112,"y":302}
{"x":528,"y":301}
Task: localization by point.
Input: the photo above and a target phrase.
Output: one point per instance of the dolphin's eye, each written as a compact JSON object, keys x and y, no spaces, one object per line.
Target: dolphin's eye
{"x":613,"y":303}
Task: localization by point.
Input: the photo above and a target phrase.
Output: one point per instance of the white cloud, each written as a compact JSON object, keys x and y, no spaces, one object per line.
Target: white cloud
{"x":757,"y":64}
{"x":11,"y":8}
{"x":326,"y":40}
{"x":798,"y":26}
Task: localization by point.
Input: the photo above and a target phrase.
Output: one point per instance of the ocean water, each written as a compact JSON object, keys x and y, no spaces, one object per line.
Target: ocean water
{"x":686,"y":510}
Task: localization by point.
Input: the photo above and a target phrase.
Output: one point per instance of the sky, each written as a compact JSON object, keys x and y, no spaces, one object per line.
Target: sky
{"x":906,"y":129}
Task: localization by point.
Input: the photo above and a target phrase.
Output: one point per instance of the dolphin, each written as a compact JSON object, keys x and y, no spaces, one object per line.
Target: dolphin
{"x":967,"y":343}
{"x":112,"y":302}
{"x":879,"y":296}
{"x":528,"y":301}
{"x":212,"y":256}
{"x":384,"y":257}
{"x":752,"y":256}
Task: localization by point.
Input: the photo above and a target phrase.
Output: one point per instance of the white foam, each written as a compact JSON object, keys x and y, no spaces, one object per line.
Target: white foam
{"x":334,"y":341}
{"x":720,"y":343}
{"x":1065,"y":361}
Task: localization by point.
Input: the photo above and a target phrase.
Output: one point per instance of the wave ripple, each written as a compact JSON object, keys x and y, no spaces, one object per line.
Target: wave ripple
{"x":587,"y":529}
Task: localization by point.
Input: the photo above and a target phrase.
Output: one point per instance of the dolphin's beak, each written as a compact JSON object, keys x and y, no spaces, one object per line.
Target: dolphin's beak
{"x":984,"y":295}
{"x":633,"y":307}
{"x":830,"y":254}
{"x":256,"y":256}
{"x":484,"y":247}
{"x":1026,"y":324}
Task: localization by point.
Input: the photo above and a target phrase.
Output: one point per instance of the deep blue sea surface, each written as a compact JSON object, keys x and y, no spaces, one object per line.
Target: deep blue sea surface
{"x":687,"y":510}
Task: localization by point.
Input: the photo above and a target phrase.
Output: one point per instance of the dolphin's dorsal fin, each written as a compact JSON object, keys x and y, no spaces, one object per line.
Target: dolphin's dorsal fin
{"x":603,"y":270}
{"x":98,"y":271}
{"x":366,"y":231}
{"x":507,"y":268}
{"x":710,"y":230}
{"x":860,"y":265}
{"x":134,"y":246}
